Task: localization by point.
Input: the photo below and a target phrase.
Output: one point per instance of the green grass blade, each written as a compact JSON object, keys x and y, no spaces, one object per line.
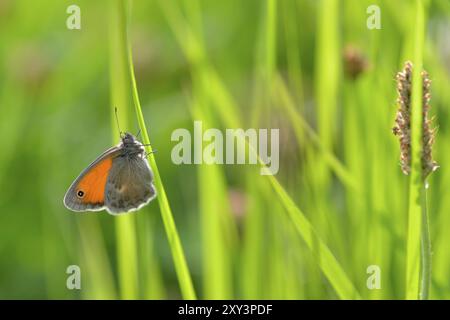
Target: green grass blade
{"x":127,"y":256}
{"x":150,"y":273}
{"x":94,"y":256}
{"x":326,"y":260}
{"x":181,"y":267}
{"x":416,"y":187}
{"x":120,"y":97}
{"x":300,"y":126}
{"x":327,"y":73}
{"x":218,"y":229}
{"x":331,"y":268}
{"x":322,"y":254}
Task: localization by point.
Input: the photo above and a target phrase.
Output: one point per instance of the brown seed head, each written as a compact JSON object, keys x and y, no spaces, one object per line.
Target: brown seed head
{"x":355,"y":63}
{"x":402,"y":128}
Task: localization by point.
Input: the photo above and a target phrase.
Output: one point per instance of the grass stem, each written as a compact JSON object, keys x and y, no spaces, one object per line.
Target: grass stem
{"x":426,"y":249}
{"x":416,"y":183}
{"x":120,"y":97}
{"x":184,"y":277}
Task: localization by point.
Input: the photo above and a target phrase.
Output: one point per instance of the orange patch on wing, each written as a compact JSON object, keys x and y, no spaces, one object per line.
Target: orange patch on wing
{"x":92,"y":185}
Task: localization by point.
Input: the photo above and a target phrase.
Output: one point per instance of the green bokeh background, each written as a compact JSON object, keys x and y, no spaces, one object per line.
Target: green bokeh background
{"x":55,"y":118}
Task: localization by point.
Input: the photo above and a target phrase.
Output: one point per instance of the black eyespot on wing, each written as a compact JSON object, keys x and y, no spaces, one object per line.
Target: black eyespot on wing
{"x":80,"y":193}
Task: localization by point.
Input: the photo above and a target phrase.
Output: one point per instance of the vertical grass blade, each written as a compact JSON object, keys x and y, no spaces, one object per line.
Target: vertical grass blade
{"x":150,"y":276}
{"x":327,"y":71}
{"x":416,"y":186}
{"x":425,"y":248}
{"x":322,"y":254}
{"x":331,"y":268}
{"x":327,"y":93}
{"x":95,"y":258}
{"x":218,"y":230}
{"x":120,"y":98}
{"x":181,"y":267}
{"x":217,"y":226}
{"x":301,"y":127}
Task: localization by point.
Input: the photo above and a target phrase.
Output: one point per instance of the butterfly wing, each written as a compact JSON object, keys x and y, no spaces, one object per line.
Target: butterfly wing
{"x":129,"y":185}
{"x":87,"y":192}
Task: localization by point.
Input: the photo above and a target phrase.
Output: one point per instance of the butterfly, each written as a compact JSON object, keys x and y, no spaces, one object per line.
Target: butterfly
{"x":119,"y":180}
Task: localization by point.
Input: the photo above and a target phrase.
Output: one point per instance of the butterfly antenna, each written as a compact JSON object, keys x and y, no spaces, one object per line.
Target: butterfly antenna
{"x":117,"y":121}
{"x":138,"y":134}
{"x":149,"y":153}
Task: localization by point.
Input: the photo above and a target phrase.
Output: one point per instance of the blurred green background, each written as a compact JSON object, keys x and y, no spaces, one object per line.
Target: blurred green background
{"x":311,"y":68}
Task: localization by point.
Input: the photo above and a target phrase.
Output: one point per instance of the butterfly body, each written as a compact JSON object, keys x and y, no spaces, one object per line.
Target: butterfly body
{"x":119,"y":180}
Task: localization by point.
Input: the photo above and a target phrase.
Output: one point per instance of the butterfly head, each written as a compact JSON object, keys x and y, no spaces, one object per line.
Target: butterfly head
{"x":128,"y":139}
{"x":130,"y":145}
